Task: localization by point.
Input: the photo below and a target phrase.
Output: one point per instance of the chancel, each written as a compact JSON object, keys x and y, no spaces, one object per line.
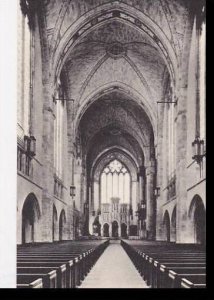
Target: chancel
{"x":111,"y":144}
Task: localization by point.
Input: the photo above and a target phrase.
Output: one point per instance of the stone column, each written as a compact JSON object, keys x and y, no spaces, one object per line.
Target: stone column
{"x":134,"y":201}
{"x":182,"y":225}
{"x":110,"y":229}
{"x":161,"y":178}
{"x":141,"y":197}
{"x":48,"y":158}
{"x":96,"y":196}
{"x":150,"y":204}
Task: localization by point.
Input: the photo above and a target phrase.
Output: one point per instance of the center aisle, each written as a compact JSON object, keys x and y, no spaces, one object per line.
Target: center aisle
{"x":113,"y":269}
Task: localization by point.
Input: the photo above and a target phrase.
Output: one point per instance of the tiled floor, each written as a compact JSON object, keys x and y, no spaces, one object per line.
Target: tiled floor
{"x":113,"y":269}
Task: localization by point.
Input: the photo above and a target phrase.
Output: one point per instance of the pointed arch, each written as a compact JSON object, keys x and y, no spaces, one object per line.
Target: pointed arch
{"x":173,"y":226}
{"x":166,"y":223}
{"x":197,"y":215}
{"x":31,"y":214}
{"x":62,"y":222}
{"x":103,"y":14}
{"x":54,"y":224}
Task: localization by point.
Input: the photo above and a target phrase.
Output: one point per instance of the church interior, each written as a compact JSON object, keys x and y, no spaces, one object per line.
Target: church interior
{"x":111,"y":141}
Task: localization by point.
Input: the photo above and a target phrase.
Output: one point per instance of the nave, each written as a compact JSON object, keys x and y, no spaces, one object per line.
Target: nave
{"x":111,"y":142}
{"x":114,"y":269}
{"x":111,"y":264}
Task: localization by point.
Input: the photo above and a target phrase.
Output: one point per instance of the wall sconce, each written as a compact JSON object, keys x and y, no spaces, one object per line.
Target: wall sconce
{"x":30,"y":145}
{"x":26,"y":143}
{"x":72,"y":191}
{"x":157,"y":191}
{"x":198,"y":150}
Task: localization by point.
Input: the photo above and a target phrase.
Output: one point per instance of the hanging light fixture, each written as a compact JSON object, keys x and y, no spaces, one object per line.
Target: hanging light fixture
{"x":198,"y":150}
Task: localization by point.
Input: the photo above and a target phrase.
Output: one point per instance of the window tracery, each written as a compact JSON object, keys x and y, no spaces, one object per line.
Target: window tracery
{"x":115,"y":182}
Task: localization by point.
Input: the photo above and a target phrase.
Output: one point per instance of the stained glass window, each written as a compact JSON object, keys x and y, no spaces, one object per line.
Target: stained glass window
{"x":115,"y":182}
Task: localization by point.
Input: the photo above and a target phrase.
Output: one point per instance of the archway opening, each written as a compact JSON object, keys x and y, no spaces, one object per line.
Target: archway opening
{"x":62,"y":221}
{"x":115,"y":226}
{"x":166,"y":222}
{"x":198,"y":216}
{"x":173,"y":226}
{"x":97,"y":227}
{"x":30,"y":217}
{"x":133,"y":230}
{"x":124,"y":230}
{"x":106,"y":230}
{"x":54,"y":225}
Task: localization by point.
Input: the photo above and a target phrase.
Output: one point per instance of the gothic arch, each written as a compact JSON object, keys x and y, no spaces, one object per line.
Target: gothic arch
{"x":124,"y":89}
{"x":107,"y":156}
{"x":113,"y":149}
{"x":124,"y":228}
{"x":62,"y":222}
{"x":31,"y":214}
{"x":166,"y":223}
{"x":197,"y":216}
{"x":173,"y":225}
{"x":124,"y":13}
{"x":105,"y":229}
{"x":55,"y":224}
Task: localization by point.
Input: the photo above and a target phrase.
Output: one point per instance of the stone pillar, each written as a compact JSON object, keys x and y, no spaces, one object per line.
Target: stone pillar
{"x":141,"y":187}
{"x":182,"y":221}
{"x":48,"y":158}
{"x":91,"y":221}
{"x":141,"y":183}
{"x":134,"y":201}
{"x":150,"y":204}
{"x":110,"y":229}
{"x":161,"y":178}
{"x":96,"y":196}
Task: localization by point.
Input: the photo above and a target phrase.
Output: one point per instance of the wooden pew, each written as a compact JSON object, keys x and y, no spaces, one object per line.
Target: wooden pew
{"x":156,"y":262}
{"x":29,"y":281}
{"x":71,"y":261}
{"x":185,"y":283}
{"x":72,"y":267}
{"x":160,"y":271}
{"x":59,"y":267}
{"x":151,"y":268}
{"x":194,"y":277}
{"x":49,"y":276}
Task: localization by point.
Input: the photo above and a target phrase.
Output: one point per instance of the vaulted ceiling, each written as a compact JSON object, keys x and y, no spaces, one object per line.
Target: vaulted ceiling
{"x":111,"y":49}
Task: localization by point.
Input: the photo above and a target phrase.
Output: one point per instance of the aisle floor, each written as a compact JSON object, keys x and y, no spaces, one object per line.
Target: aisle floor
{"x":113,"y":269}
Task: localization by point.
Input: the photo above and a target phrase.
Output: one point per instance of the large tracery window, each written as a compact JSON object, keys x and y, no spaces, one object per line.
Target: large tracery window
{"x":115,"y":182}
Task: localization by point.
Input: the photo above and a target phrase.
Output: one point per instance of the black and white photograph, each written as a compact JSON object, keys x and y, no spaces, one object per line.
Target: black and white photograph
{"x":111,"y":144}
